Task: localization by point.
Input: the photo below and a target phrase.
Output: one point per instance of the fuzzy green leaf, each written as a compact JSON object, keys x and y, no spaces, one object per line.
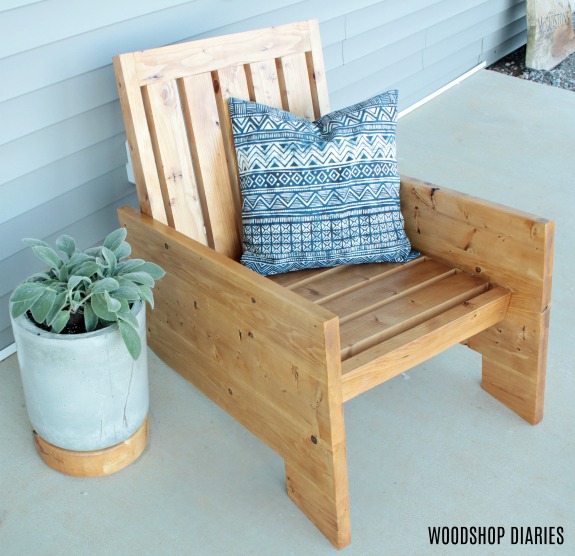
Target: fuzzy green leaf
{"x":146,"y":295}
{"x":90,"y":318}
{"x":100,"y":307}
{"x":62,"y":273}
{"x":112,"y":304}
{"x":87,"y":268}
{"x":155,"y":271}
{"x":125,"y":283}
{"x":131,"y":339}
{"x":115,"y":239}
{"x":93,"y":251}
{"x":105,"y":285}
{"x":110,"y":258}
{"x":43,"y":305}
{"x":130,"y":293}
{"x":79,"y":258}
{"x":140,"y":278}
{"x":74,"y":281}
{"x":24,"y":296}
{"x":48,"y":255}
{"x":31,"y":242}
{"x":66,"y":244}
{"x":28,"y":291}
{"x":40,"y":277}
{"x":123,"y":251}
{"x":130,"y":265}
{"x":19,"y":308}
{"x":60,"y":321}
{"x":59,"y":304}
{"x":130,"y":318}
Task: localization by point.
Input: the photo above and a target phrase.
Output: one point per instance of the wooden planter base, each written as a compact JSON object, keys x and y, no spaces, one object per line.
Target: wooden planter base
{"x":96,"y":463}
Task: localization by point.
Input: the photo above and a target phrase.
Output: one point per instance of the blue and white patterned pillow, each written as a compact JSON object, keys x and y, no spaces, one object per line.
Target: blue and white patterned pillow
{"x":319,"y":194}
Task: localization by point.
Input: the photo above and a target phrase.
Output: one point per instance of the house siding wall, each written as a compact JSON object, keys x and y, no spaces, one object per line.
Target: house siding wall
{"x":62,"y":156}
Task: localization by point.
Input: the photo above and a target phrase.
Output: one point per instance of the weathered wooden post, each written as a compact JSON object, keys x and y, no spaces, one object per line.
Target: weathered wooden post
{"x":550,"y":36}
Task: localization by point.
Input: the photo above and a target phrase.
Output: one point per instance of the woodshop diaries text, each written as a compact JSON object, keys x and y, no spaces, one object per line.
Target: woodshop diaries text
{"x":495,"y":535}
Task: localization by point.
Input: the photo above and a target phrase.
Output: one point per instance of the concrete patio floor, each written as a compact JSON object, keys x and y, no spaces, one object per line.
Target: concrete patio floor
{"x":429,"y":448}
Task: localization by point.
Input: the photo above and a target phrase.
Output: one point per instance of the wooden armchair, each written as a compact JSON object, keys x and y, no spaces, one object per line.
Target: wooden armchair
{"x":282,"y":355}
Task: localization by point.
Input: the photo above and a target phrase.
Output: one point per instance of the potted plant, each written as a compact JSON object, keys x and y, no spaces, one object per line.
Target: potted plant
{"x":80,"y":334}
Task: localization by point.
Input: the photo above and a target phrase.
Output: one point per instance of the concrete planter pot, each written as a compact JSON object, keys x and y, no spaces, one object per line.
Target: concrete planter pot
{"x":84,"y":393}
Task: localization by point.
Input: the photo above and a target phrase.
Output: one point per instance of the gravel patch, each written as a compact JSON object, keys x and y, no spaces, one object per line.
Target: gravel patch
{"x":562,"y":76}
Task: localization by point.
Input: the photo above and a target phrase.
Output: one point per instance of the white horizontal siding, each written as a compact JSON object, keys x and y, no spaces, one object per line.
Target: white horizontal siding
{"x":11,"y":4}
{"x":79,"y":203}
{"x":49,"y":182}
{"x":27,"y":29}
{"x":57,"y":141}
{"x":36,"y":110}
{"x":418,"y":43}
{"x":62,"y":136}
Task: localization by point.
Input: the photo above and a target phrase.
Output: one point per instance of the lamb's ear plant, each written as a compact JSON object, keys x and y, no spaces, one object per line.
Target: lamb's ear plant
{"x":98,"y":285}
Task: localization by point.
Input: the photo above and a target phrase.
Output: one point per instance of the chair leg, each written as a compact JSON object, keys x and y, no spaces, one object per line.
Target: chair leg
{"x":322,"y":495}
{"x":514,"y":368}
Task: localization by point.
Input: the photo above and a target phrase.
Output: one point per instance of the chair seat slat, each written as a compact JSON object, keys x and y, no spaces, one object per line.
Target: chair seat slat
{"x":406,"y":312}
{"x":335,"y":282}
{"x":402,"y":352}
{"x":378,"y":292}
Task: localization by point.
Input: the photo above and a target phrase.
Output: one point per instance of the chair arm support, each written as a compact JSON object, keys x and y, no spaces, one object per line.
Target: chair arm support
{"x":267,"y":356}
{"x":509,"y":248}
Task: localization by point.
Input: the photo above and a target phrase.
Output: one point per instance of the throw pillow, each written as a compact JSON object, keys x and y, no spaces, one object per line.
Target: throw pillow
{"x":322,"y":193}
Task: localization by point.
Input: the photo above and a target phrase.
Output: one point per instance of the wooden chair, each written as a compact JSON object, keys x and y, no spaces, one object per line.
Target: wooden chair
{"x":282,"y":355}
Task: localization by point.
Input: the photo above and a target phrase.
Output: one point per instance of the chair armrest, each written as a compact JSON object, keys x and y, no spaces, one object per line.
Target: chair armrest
{"x":507,"y":247}
{"x":235,"y":279}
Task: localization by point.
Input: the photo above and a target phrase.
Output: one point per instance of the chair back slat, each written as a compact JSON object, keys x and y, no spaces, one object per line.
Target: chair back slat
{"x":297,"y":85}
{"x":173,"y":159}
{"x":140,"y":142}
{"x":317,"y":74}
{"x":174,"y":101}
{"x":232,"y":82}
{"x":210,"y":161}
{"x":265,"y":82}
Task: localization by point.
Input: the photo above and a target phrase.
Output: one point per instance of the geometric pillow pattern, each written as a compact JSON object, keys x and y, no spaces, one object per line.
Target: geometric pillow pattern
{"x":322,"y":193}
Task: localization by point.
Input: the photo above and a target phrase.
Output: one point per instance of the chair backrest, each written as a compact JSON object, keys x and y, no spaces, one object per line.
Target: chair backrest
{"x":175,"y":111}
